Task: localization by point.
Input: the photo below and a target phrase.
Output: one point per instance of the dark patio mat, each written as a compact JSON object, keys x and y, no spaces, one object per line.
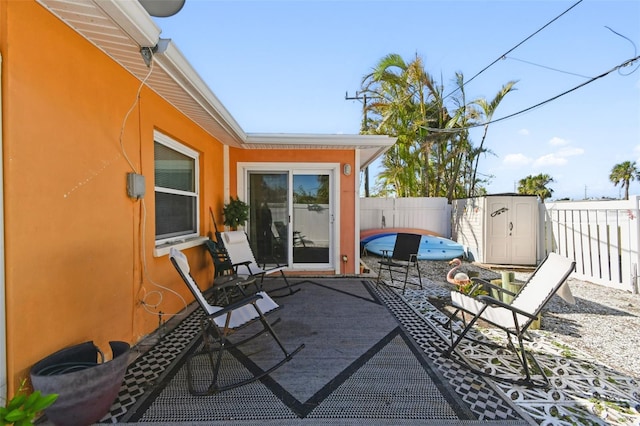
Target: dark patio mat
{"x":358,"y":365}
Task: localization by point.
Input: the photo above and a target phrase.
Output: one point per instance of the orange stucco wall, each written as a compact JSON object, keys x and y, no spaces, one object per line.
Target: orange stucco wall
{"x":73,"y":257}
{"x":347,"y":186}
{"x":79,"y":261}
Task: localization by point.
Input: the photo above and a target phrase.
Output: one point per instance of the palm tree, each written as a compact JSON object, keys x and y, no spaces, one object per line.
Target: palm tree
{"x":536,"y":185}
{"x":434,"y":156}
{"x":623,"y":174}
{"x":487,"y":109}
{"x":408,"y":103}
{"x":397,"y":88}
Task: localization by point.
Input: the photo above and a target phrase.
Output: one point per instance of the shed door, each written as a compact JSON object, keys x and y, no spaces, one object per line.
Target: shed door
{"x":511,"y":230}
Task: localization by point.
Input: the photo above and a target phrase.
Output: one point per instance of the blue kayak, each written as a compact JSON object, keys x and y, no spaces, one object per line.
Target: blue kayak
{"x":431,"y":248}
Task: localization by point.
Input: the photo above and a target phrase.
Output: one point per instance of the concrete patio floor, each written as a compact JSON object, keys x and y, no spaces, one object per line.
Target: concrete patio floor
{"x":582,"y":392}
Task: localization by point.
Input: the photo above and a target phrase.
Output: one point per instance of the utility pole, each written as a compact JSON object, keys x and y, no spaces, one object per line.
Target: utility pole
{"x":363,"y":127}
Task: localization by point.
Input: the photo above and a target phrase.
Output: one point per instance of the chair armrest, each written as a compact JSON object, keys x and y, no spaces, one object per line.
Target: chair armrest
{"x":488,"y":300}
{"x":245,"y":263}
{"x":274,"y":260}
{"x":232,"y":281}
{"x":236,"y":305}
{"x":225,"y":281}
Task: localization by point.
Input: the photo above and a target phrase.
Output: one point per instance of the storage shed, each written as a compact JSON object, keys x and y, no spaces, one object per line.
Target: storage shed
{"x":498,"y":229}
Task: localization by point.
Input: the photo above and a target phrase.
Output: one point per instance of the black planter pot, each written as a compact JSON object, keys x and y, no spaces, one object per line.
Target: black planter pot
{"x":86,"y":387}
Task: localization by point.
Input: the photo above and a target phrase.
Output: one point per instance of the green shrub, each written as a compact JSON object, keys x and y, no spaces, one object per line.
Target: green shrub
{"x":23,"y":408}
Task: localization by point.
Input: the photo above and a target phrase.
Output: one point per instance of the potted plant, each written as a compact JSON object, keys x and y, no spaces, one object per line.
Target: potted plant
{"x":236,"y":213}
{"x":23,"y":408}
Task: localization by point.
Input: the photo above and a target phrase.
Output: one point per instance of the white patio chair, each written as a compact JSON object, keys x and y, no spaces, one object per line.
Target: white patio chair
{"x":236,"y":243}
{"x":218,"y":323}
{"x":514,"y":318}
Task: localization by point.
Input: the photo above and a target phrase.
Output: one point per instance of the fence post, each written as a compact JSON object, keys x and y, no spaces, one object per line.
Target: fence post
{"x":634,"y":250}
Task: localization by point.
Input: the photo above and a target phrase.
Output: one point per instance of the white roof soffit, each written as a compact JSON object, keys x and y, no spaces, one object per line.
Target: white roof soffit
{"x":369,"y":155}
{"x":121,"y":27}
{"x":370,"y":146}
{"x":173,"y":62}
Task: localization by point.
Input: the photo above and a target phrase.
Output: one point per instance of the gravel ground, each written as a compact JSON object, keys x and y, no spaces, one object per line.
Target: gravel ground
{"x":604,"y":322}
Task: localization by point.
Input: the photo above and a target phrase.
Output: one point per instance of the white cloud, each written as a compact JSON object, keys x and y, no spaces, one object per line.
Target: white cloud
{"x":555,"y":159}
{"x":556,"y":141}
{"x":516,"y":160}
{"x":559,"y":157}
{"x":570,"y":152}
{"x":550,"y":160}
{"x":524,"y":132}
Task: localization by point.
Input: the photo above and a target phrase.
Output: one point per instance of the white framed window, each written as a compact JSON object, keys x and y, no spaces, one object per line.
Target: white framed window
{"x":176,"y":172}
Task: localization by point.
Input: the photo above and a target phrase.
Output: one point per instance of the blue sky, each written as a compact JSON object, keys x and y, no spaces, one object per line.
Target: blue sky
{"x":285,"y":66}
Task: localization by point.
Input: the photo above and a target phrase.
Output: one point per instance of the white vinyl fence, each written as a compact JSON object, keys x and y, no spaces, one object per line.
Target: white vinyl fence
{"x":433,"y":214}
{"x":602,"y":237}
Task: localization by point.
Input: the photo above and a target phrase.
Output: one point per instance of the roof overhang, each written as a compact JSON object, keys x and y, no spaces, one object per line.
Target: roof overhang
{"x":121,"y":28}
{"x":370,"y":146}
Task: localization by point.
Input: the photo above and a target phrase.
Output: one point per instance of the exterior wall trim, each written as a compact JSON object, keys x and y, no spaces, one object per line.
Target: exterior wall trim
{"x":3,"y":316}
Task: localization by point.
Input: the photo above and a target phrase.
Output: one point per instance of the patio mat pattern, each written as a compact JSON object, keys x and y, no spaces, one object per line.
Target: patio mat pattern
{"x":582,"y":391}
{"x":364,"y":367}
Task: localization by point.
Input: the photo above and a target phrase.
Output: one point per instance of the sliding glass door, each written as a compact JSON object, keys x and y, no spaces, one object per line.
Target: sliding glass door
{"x":291,"y":215}
{"x":311,"y":218}
{"x":269,"y":216}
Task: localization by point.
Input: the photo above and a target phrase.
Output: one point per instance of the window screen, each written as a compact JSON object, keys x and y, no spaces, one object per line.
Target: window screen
{"x":176,"y":191}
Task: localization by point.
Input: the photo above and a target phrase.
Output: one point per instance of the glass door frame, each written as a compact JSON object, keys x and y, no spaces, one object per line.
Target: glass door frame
{"x":333,"y":170}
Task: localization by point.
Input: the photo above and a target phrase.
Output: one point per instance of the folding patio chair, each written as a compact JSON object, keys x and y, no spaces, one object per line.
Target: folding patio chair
{"x":226,"y":284}
{"x":221,"y":263}
{"x":513,"y":318}
{"x":298,"y":238}
{"x":244,"y":262}
{"x":403,"y":257}
{"x":218,"y":323}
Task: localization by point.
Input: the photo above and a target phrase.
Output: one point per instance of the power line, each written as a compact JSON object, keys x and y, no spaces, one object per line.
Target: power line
{"x":546,"y":67}
{"x":635,"y":50}
{"x":604,"y":74}
{"x":501,"y":57}
{"x":364,"y":126}
{"x":515,"y":47}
